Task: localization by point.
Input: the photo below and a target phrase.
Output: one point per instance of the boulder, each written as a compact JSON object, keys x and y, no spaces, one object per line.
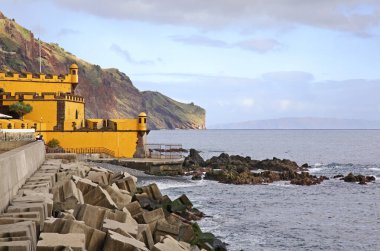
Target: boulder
{"x":193,"y":160}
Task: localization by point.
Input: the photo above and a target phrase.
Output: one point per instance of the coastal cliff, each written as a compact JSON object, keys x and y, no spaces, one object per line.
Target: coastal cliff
{"x":109,"y":93}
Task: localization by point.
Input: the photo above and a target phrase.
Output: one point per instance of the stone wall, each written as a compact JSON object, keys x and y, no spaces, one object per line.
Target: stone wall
{"x":17,"y":135}
{"x":16,"y":166}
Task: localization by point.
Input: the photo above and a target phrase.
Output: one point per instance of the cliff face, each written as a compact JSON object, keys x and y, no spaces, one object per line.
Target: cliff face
{"x":109,"y":93}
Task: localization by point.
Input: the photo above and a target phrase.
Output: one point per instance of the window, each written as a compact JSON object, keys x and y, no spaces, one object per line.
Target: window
{"x":144,"y":120}
{"x":139,"y":120}
{"x":74,"y":72}
{"x":76,"y":114}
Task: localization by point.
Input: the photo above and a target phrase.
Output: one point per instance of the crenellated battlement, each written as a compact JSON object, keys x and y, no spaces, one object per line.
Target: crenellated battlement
{"x":34,"y":96}
{"x":40,"y":78}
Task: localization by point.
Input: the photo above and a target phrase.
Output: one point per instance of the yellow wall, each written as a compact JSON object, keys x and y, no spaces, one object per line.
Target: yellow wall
{"x":124,"y":124}
{"x":70,"y":115}
{"x":44,"y":111}
{"x":122,"y":143}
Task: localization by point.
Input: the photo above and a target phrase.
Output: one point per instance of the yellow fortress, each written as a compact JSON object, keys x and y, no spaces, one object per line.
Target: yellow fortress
{"x":59,"y":114}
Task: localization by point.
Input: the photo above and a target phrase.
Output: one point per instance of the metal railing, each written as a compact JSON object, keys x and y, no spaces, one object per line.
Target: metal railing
{"x":84,"y":150}
{"x":165,"y":151}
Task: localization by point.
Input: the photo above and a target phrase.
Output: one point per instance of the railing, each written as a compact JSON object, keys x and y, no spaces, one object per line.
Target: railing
{"x":85,"y":150}
{"x":165,"y":151}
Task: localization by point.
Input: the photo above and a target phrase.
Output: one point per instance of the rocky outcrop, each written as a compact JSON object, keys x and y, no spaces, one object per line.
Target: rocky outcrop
{"x":239,"y":170}
{"x":109,"y":93}
{"x":361,"y":179}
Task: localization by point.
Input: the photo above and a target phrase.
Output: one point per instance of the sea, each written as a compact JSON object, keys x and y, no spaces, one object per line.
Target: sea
{"x":334,"y":215}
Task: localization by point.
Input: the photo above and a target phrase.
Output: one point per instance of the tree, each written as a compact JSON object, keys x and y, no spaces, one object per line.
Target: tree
{"x":20,"y":108}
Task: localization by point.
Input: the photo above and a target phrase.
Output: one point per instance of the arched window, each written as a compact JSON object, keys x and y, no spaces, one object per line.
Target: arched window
{"x":74,"y":72}
{"x":76,"y":114}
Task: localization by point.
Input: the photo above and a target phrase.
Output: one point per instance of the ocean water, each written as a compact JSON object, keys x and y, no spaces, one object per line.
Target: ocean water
{"x":332,"y":216}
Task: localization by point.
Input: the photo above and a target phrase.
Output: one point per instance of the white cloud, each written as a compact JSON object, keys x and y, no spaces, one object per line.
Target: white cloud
{"x":354,"y":16}
{"x":247,"y":102}
{"x":260,"y":45}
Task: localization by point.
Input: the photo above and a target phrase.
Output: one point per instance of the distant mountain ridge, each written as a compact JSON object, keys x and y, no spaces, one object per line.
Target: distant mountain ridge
{"x":108,"y":93}
{"x":302,"y":123}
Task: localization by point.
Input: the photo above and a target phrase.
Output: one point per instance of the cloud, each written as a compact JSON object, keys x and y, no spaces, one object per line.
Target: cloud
{"x":66,"y":32}
{"x":125,"y":54}
{"x":260,"y":45}
{"x":353,"y":16}
{"x":200,"y":40}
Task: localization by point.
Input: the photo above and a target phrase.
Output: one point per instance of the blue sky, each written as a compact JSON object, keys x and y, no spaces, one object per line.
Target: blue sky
{"x":239,"y":59}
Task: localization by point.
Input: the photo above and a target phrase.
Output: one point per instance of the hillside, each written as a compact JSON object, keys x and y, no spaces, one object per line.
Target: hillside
{"x":109,"y":93}
{"x":302,"y":123}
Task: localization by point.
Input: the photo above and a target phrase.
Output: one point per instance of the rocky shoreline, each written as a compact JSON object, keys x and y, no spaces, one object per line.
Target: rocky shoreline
{"x":240,"y":170}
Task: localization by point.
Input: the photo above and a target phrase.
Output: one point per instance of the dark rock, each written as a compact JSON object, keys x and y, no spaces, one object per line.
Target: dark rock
{"x":218,"y":245}
{"x":197,"y":176}
{"x":370,"y":178}
{"x":193,"y":160}
{"x":350,"y":178}
{"x":277,"y":165}
{"x":358,"y":178}
{"x":338,"y":176}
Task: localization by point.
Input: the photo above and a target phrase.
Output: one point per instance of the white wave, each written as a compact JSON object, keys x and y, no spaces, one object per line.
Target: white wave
{"x":168,"y":185}
{"x":316,"y":169}
{"x":281,"y":184}
{"x":377,"y":169}
{"x":318,"y":164}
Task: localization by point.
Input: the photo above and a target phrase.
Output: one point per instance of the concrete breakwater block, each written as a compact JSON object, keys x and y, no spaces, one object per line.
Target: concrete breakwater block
{"x":126,"y":229}
{"x":94,"y":216}
{"x":94,"y":237}
{"x":9,"y":233}
{"x":115,"y":241}
{"x":169,"y":243}
{"x":9,"y":218}
{"x":57,"y":242}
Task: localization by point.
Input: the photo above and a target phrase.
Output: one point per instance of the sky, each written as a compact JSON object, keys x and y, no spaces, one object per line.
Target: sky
{"x":241,"y":60}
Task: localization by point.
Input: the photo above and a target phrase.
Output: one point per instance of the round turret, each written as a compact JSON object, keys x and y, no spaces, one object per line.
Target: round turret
{"x":74,"y":73}
{"x":142,"y":121}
